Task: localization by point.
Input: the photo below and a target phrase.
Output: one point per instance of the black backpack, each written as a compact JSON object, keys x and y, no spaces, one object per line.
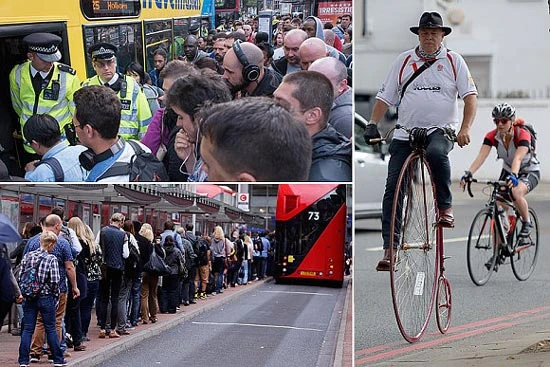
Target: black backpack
{"x":258,"y":244}
{"x":143,"y":167}
{"x":54,"y":164}
{"x":202,"y":254}
{"x":132,"y":262}
{"x":239,"y":248}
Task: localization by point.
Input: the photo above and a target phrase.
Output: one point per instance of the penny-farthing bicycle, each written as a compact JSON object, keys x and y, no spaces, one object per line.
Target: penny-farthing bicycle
{"x":417,"y":259}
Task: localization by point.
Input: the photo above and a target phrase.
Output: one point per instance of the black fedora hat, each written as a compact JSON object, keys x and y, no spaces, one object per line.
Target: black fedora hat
{"x":431,"y":20}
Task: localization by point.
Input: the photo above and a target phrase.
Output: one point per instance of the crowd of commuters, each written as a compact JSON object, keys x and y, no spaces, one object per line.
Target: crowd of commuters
{"x":95,"y":130}
{"x":111,"y":273}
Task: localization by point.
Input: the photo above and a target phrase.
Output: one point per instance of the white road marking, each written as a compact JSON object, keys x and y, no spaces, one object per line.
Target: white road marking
{"x":308,"y":293}
{"x":447,"y":240}
{"x":255,"y":325}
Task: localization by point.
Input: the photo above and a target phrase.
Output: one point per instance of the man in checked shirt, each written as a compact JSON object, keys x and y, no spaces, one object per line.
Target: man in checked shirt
{"x":45,"y":303}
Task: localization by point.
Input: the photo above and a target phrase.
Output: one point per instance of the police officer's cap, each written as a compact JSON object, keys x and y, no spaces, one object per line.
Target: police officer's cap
{"x":44,"y":45}
{"x":102,"y":51}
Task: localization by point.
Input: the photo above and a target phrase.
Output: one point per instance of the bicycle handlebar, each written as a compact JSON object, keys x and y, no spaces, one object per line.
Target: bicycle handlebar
{"x":448,"y":132}
{"x":495,"y":184}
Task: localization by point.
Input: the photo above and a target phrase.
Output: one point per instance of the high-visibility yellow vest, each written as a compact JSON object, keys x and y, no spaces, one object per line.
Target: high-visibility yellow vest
{"x":136,"y":114}
{"x":56,"y":99}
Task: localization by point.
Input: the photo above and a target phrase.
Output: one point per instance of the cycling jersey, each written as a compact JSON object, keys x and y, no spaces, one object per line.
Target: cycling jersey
{"x":529,"y":163}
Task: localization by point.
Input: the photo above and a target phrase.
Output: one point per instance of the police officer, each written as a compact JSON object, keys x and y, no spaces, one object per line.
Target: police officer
{"x":136,"y":114}
{"x":43,"y":85}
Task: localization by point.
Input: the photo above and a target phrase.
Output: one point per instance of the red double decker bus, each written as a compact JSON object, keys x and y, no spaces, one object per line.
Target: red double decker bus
{"x":310,"y":233}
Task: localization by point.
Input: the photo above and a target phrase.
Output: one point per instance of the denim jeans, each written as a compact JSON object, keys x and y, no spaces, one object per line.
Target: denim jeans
{"x":244,"y":278}
{"x":135,"y":298}
{"x":38,"y":336}
{"x":46,"y":305}
{"x":123,"y":296}
{"x":86,"y":305}
{"x":217,"y":269}
{"x":437,"y":152}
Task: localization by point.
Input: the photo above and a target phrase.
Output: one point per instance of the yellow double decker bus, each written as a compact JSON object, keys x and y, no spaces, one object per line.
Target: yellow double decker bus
{"x":136,"y":27}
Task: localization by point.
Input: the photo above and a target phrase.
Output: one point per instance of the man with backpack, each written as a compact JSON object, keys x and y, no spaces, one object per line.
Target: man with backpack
{"x":188,"y":282}
{"x":514,"y":143}
{"x":204,"y":265}
{"x":59,"y":161}
{"x":110,"y":158}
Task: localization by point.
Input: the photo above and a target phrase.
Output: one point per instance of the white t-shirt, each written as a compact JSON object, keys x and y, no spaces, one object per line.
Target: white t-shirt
{"x":431,"y":99}
{"x":278,"y":53}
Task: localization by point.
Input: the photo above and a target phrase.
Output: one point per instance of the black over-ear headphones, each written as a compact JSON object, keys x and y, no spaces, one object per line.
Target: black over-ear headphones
{"x":251,"y":73}
{"x":88,"y":159}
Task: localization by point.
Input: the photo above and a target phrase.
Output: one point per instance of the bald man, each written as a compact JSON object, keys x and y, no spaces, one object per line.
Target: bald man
{"x":290,"y":62}
{"x":310,"y":50}
{"x":341,"y":113}
{"x":246,"y":74}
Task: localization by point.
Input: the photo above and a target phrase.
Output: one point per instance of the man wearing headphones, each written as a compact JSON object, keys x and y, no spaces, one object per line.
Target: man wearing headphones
{"x":99,"y":133}
{"x":245,"y":72}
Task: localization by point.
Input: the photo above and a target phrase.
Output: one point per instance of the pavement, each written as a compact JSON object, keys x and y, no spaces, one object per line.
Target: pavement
{"x":99,"y":350}
{"x":525,"y":348}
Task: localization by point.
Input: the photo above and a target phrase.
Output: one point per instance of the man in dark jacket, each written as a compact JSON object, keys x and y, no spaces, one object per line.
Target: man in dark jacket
{"x":341,"y":113}
{"x":291,"y":61}
{"x":245,"y":72}
{"x":331,"y":159}
{"x":115,"y":250}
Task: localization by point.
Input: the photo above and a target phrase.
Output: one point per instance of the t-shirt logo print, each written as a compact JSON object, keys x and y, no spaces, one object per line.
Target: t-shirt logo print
{"x":439,"y":67}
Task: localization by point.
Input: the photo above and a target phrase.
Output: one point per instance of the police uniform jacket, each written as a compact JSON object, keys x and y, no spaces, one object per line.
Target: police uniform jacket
{"x":136,"y":114}
{"x":55,"y":98}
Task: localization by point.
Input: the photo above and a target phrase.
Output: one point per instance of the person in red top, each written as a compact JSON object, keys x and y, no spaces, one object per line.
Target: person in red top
{"x":520,"y":166}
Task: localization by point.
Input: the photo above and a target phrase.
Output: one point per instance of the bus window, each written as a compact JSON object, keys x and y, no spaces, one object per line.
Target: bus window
{"x":205,"y":26}
{"x":303,"y":231}
{"x":127,"y":37}
{"x":158,"y":34}
{"x":181,"y":30}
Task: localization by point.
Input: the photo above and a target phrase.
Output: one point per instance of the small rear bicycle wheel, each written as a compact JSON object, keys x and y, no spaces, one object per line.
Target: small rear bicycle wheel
{"x":524,"y":258}
{"x":481,"y":249}
{"x":443,"y":302}
{"x":413,"y":260}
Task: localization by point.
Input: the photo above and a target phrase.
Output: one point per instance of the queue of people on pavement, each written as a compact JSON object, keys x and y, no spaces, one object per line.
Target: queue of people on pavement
{"x":109,"y":127}
{"x":77,"y":271}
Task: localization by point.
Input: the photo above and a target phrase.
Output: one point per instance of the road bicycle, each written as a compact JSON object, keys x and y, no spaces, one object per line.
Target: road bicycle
{"x":417,"y":260}
{"x":493,"y":237}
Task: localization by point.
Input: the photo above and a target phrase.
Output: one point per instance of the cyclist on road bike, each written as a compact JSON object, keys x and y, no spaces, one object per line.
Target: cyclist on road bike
{"x":437,"y":76}
{"x":520,"y":166}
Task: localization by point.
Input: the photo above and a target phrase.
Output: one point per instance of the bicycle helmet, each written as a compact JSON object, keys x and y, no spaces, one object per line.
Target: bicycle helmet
{"x":504,"y":111}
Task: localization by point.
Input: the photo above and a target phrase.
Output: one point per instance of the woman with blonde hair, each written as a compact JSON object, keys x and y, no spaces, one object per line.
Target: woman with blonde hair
{"x":90,"y":258}
{"x":248,"y":253}
{"x":73,"y":313}
{"x":218,"y":251}
{"x":149,"y":284}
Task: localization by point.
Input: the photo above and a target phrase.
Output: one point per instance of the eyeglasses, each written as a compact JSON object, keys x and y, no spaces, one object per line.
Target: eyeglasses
{"x":500,"y":121}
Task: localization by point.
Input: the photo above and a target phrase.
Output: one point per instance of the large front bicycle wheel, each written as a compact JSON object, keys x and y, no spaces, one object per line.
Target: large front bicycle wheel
{"x":413,"y":261}
{"x":524,"y":258}
{"x":481,"y":247}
